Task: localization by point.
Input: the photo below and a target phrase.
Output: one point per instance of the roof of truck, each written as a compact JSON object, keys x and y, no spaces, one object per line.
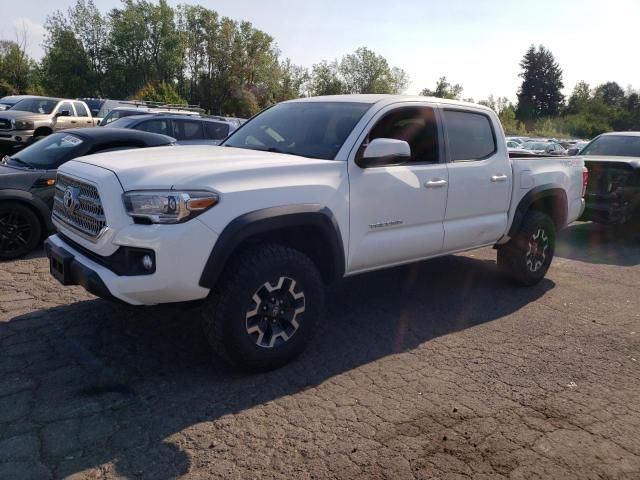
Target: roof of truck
{"x":386,"y":99}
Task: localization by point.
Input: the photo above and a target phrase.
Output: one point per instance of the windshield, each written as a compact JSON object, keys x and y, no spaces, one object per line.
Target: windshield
{"x":50,"y":152}
{"x":614,"y":146}
{"x":308,"y":129}
{"x":36,"y":105}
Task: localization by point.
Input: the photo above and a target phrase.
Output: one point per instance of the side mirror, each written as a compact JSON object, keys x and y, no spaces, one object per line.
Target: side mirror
{"x":572,"y":152}
{"x":384,"y":151}
{"x":63,"y":113}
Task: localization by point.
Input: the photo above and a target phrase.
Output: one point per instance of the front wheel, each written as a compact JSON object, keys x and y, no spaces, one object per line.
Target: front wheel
{"x":20,"y":230}
{"x":526,"y":258}
{"x":263,"y":312}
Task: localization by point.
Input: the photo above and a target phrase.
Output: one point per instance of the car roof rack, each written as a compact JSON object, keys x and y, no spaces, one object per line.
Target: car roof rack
{"x":167,"y":106}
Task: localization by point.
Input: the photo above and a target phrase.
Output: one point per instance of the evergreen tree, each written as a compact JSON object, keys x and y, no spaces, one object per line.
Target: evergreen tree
{"x":540,"y":94}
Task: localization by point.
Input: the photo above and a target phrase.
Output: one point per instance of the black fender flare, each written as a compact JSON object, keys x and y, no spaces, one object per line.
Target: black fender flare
{"x":271,"y":219}
{"x":535,"y":194}
{"x":41,"y":208}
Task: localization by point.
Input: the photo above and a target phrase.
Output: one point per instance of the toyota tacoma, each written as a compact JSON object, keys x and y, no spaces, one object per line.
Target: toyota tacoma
{"x":306,"y":192}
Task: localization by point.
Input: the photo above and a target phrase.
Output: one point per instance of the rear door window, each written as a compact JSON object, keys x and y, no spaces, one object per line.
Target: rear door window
{"x":470,"y":135}
{"x":154,"y":126}
{"x":215,"y":130}
{"x":187,"y":130}
{"x":81,"y":110}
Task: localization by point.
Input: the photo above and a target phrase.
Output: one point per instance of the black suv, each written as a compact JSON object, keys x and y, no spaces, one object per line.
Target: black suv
{"x":28,"y":178}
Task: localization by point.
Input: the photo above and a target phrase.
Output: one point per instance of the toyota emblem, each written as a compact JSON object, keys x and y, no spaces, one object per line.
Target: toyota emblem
{"x":71,"y":201}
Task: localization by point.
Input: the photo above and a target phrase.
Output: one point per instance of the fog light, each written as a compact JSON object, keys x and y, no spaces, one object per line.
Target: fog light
{"x":18,"y":139}
{"x":147,"y":262}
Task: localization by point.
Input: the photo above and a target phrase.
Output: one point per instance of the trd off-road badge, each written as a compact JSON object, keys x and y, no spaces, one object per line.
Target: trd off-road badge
{"x":71,"y":200}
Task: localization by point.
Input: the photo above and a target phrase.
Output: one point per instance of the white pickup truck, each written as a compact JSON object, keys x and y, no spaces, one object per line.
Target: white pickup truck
{"x":307,"y":192}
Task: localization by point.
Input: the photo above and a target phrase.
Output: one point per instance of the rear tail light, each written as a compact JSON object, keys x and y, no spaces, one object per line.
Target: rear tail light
{"x":585,"y":179}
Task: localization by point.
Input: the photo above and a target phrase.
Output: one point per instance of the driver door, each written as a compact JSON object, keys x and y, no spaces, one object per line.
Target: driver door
{"x":397,"y":211}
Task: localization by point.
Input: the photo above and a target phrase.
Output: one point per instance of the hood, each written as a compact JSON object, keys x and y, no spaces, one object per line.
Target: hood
{"x":19,"y":115}
{"x":17,"y":179}
{"x":175,"y":166}
{"x":634,"y":162}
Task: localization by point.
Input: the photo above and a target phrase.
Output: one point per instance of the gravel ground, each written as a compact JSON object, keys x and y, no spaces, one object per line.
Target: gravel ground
{"x":433,"y":371}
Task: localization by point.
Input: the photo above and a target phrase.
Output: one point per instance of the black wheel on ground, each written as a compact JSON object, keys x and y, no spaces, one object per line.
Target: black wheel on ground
{"x":20,"y":230}
{"x":525,"y":259}
{"x":263,"y":312}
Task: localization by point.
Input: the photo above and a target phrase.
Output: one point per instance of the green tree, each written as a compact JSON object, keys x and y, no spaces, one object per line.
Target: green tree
{"x":162,"y":92}
{"x":66,"y":71}
{"x":444,"y":89}
{"x":364,"y":71}
{"x":611,"y":94}
{"x":580,"y":98}
{"x":325,"y":79}
{"x":540,"y":94}
{"x":18,"y":72}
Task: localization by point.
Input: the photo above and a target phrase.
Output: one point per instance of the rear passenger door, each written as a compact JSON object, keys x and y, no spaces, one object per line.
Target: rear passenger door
{"x":188,"y":132}
{"x":480,"y":180}
{"x":68,"y":121}
{"x":82,"y":115}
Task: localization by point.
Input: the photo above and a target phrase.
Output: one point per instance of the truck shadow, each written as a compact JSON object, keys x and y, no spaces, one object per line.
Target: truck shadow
{"x":597,"y":244}
{"x":114,"y":384}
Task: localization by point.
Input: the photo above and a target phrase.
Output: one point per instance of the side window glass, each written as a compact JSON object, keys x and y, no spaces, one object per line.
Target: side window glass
{"x":415,"y":125}
{"x":154,"y":126}
{"x":216,"y":131}
{"x":81,"y":111}
{"x":187,"y":130}
{"x":66,"y":106}
{"x":470,"y":135}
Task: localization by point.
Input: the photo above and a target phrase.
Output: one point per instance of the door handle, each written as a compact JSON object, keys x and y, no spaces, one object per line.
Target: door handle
{"x":435,"y":183}
{"x":73,"y":121}
{"x":499,"y":178}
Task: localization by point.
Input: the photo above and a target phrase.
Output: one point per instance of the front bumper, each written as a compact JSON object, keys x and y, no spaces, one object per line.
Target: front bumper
{"x":69,"y":271}
{"x":16,"y":137}
{"x":181,"y":252}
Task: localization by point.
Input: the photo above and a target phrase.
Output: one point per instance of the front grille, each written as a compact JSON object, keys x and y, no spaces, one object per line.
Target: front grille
{"x":5,"y":124}
{"x":84,"y":212}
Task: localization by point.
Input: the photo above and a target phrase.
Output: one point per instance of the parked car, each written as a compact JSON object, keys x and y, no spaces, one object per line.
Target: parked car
{"x":141,"y":108}
{"x":187,"y":130}
{"x":545,"y":148}
{"x":7,"y":102}
{"x":613,"y":191}
{"x":33,"y":118}
{"x":27,"y":181}
{"x":519,"y":140}
{"x":307,"y":191}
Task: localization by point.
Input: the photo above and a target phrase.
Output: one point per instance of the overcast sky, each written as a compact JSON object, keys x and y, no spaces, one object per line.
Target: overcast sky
{"x":477,"y":43}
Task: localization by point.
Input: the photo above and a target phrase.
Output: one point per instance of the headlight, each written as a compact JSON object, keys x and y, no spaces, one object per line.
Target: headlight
{"x":23,"y":125}
{"x":168,"y":206}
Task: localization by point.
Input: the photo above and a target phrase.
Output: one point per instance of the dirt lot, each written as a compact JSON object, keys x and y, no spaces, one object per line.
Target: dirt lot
{"x":432,"y":371}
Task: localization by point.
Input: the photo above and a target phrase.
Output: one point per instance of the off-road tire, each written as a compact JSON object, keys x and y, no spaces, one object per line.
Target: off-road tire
{"x":526,"y":258}
{"x":226,"y":313}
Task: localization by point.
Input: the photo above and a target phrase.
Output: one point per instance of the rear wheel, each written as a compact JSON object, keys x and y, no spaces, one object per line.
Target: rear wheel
{"x":526,"y":258}
{"x":20,"y":230}
{"x":264,"y":310}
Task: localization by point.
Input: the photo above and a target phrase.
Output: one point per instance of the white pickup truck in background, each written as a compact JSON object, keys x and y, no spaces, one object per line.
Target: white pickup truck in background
{"x":306,"y":192}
